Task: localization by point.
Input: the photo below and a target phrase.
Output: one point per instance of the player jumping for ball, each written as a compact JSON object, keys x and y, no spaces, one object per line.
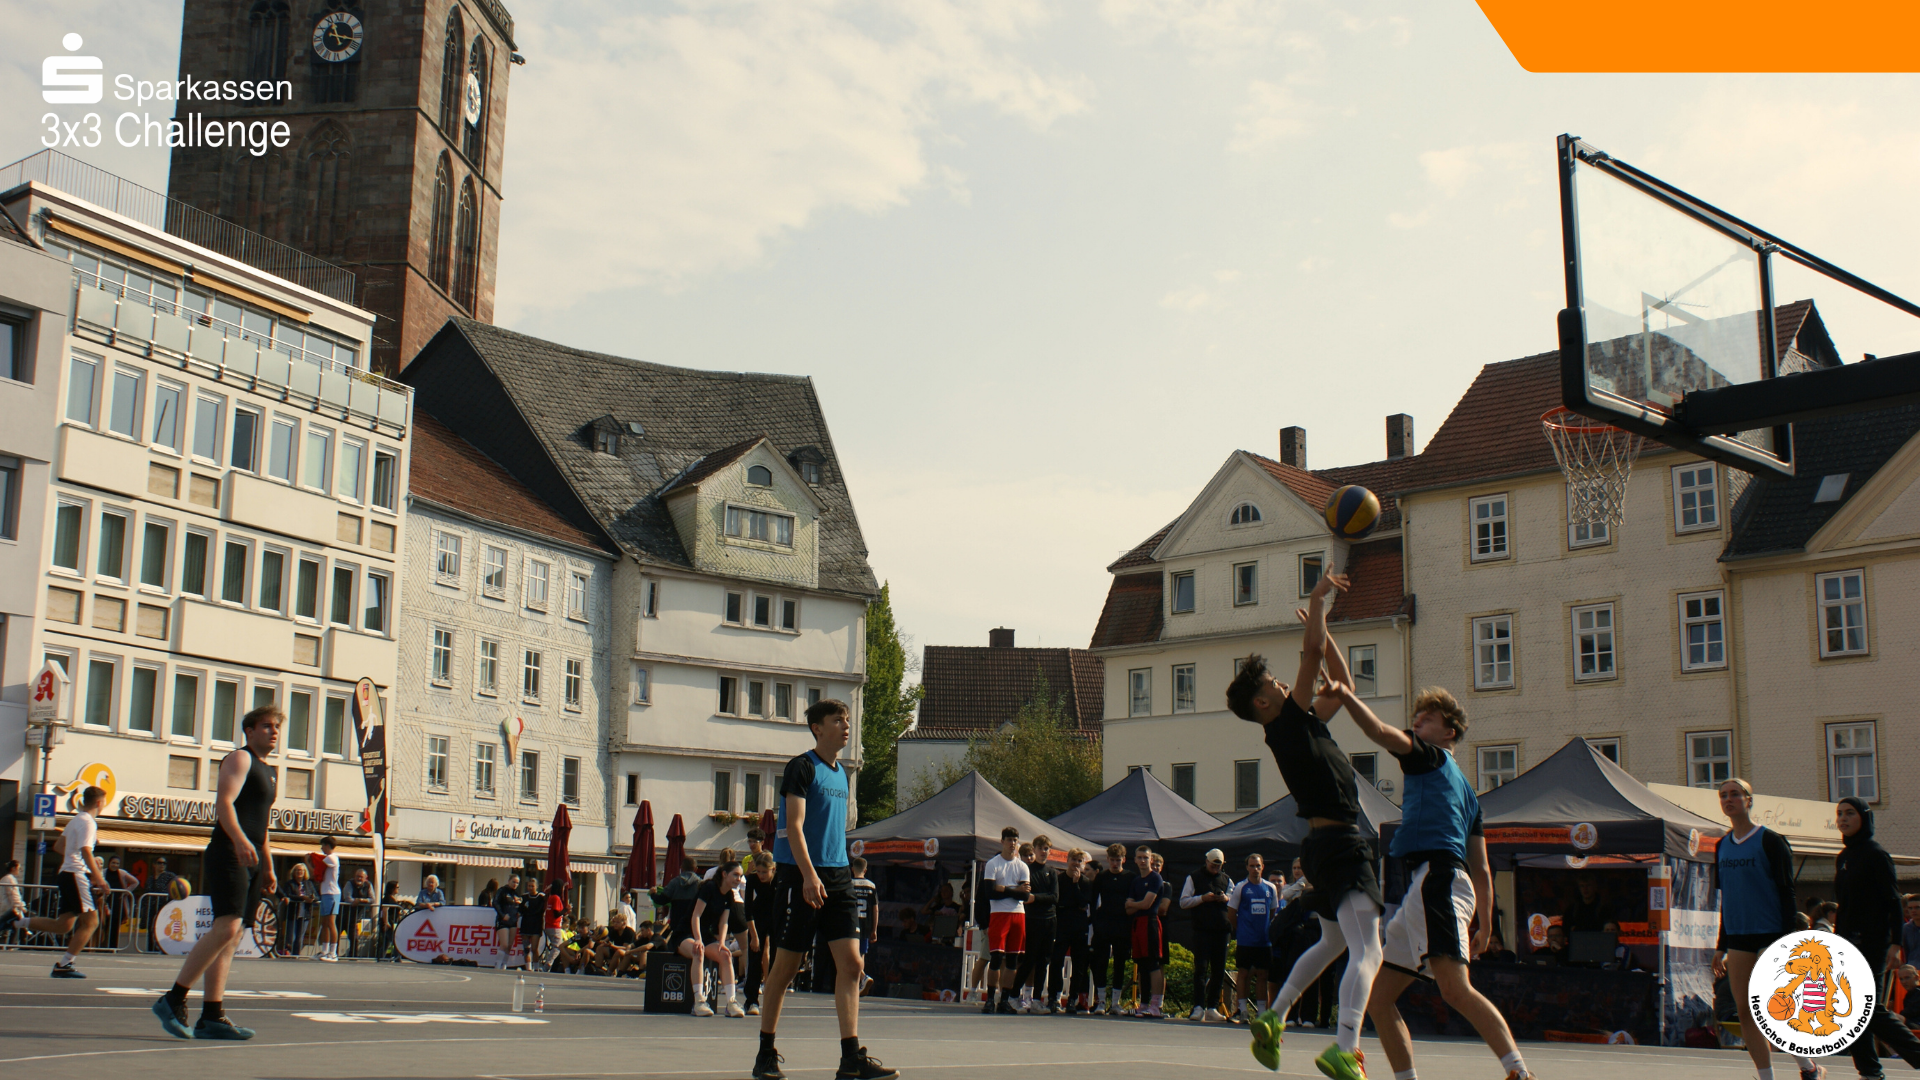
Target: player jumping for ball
{"x":813,"y":889}
{"x":1336,"y":855}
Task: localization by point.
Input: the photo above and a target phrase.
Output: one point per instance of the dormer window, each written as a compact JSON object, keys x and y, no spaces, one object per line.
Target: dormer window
{"x":759,"y":476}
{"x":808,"y":462}
{"x":1245,"y":514}
{"x":810,"y":471}
{"x":604,"y":435}
{"x":759,"y":525}
{"x":607,"y":442}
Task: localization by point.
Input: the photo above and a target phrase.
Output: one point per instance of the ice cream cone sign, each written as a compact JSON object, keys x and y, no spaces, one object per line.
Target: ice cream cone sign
{"x":511,"y":729}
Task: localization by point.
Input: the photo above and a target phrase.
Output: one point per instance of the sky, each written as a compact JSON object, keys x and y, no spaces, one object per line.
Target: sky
{"x":1049,"y":264}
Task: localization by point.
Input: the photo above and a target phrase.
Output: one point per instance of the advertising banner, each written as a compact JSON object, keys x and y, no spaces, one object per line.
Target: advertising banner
{"x":373,"y":753}
{"x":181,"y":923}
{"x":457,"y":933}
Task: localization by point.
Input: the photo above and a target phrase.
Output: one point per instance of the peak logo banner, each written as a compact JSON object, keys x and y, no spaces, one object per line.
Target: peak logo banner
{"x":1812,"y":993}
{"x":457,"y":933}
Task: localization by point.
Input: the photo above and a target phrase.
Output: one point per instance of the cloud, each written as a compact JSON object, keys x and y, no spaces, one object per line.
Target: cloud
{"x":717,"y":126}
{"x":1272,"y":113}
{"x":1190,"y":299}
{"x":1451,"y":170}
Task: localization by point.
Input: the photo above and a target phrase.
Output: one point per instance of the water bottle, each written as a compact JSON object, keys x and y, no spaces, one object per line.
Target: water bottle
{"x":540,"y":999}
{"x":519,"y":993}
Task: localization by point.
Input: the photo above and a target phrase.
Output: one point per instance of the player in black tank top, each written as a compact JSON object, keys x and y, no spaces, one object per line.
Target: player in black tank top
{"x":236,"y":870}
{"x":1336,"y":855}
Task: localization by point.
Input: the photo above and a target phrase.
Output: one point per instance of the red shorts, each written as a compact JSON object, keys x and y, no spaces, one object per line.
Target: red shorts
{"x":1007,"y":931}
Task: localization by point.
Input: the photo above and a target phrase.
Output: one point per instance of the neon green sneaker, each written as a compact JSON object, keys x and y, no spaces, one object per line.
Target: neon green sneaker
{"x":1341,"y":1065}
{"x":1266,"y":1029}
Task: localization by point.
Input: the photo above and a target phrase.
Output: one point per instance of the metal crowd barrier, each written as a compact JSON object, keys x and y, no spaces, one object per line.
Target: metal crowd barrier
{"x":113,"y":932}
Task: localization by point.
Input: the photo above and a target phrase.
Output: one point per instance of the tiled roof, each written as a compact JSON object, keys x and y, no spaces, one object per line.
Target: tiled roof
{"x":1776,"y":514}
{"x":1376,"y":593}
{"x":552,"y":393}
{"x":1495,"y":429}
{"x":451,"y":471}
{"x":982,"y":688}
{"x":1142,"y":553}
{"x":1133,"y":612}
{"x":1311,"y":488}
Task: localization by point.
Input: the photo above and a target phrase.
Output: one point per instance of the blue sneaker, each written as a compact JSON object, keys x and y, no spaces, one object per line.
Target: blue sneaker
{"x":66,"y":971}
{"x":174,"y":1021}
{"x":222,"y":1028}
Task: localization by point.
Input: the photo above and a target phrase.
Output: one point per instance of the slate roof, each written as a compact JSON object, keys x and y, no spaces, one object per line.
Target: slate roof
{"x":453,"y":472}
{"x":712,"y":463}
{"x":529,"y":404}
{"x":1776,"y":515}
{"x":1133,"y":613}
{"x":973,"y":689}
{"x":1377,"y":581}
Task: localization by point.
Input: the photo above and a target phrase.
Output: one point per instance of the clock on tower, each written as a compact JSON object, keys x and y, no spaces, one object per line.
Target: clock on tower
{"x":398,"y":121}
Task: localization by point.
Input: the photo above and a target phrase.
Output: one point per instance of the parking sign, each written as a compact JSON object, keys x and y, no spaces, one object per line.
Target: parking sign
{"x":43,"y":808}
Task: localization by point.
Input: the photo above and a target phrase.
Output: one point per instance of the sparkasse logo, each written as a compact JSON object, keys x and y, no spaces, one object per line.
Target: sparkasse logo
{"x":72,"y":71}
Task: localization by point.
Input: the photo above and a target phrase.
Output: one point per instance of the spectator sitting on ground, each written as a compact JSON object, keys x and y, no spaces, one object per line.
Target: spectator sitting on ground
{"x":613,"y":948}
{"x":649,"y":939}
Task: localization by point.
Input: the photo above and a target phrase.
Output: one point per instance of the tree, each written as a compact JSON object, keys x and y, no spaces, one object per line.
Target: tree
{"x":888,"y":710}
{"x":1039,"y":759}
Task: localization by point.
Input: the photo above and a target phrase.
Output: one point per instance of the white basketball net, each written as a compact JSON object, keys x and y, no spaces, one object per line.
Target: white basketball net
{"x":1597,"y":459}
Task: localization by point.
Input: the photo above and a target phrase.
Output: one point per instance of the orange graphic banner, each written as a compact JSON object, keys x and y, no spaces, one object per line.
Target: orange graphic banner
{"x":1708,"y":35}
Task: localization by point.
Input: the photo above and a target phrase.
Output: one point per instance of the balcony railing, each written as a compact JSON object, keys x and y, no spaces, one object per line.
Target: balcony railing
{"x":189,"y":223}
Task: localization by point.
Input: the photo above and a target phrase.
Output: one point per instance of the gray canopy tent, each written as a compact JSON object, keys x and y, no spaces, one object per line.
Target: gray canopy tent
{"x":1274,"y":831}
{"x":1137,"y":809}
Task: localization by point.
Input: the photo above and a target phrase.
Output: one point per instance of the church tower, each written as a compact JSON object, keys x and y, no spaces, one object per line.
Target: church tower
{"x":398,"y":120}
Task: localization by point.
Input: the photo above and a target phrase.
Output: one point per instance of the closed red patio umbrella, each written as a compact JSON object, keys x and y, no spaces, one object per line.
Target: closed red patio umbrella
{"x":676,"y":847}
{"x":557,"y":848}
{"x":640,"y":859}
{"x":768,"y":820}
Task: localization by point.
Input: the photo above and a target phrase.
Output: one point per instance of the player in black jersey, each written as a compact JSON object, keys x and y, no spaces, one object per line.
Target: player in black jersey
{"x":235,"y":871}
{"x":1336,"y":854}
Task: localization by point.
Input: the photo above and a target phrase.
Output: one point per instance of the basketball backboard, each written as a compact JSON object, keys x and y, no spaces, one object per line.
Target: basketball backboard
{"x":1671,"y":332}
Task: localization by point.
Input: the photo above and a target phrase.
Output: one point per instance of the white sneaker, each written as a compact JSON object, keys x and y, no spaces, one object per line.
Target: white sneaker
{"x":1214,"y":1016}
{"x":1196,"y":1013}
{"x":753,"y":1010}
{"x":1152,"y":1012}
{"x":701,"y":1008}
{"x":733,"y":1007}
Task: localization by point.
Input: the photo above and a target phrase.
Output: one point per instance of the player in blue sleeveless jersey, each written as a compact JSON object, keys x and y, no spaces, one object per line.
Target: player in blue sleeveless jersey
{"x":1754,"y":865}
{"x":814,"y":893}
{"x":1447,"y":915}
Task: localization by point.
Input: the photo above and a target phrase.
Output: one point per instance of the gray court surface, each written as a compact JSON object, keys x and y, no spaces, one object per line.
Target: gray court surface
{"x":415,"y":1022}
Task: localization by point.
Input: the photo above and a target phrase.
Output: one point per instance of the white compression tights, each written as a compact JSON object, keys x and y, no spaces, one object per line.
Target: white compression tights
{"x":1357,"y":933}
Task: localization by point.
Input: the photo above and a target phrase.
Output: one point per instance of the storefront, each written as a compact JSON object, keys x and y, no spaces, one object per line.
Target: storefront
{"x":466,"y":852}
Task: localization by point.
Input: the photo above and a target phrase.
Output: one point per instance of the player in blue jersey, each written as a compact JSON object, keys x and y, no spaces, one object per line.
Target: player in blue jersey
{"x":814,"y":892}
{"x":1754,"y":865}
{"x":1447,"y":915}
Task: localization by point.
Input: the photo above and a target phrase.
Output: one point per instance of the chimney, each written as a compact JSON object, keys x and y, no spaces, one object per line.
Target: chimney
{"x":1293,"y":447}
{"x":1399,"y":436}
{"x":1000,"y":638}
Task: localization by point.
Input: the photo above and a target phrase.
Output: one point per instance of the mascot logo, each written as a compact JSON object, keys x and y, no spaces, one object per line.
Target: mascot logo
{"x":1821,"y":996}
{"x":93,"y":774}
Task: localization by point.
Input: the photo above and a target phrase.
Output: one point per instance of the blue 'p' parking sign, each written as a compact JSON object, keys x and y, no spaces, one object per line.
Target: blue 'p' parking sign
{"x":43,"y":808}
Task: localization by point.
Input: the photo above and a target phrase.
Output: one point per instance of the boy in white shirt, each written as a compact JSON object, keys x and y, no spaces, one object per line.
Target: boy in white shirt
{"x":1009,"y":882}
{"x":80,"y":876}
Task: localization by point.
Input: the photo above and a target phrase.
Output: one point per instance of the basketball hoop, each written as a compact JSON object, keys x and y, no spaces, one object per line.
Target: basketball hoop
{"x":1597,"y":458}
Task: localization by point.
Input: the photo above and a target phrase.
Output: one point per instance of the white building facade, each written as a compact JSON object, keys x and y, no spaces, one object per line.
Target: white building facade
{"x":1223,"y":580}
{"x":207,"y":508}
{"x":740,"y":593}
{"x":503,"y":694}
